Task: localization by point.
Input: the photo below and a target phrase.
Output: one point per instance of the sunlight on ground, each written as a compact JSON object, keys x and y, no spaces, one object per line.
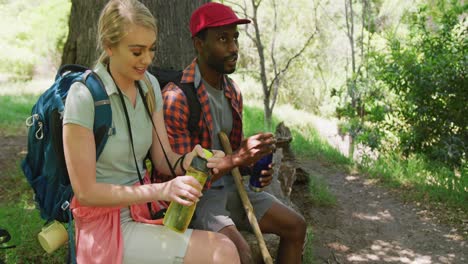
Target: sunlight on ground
{"x":454,"y":236}
{"x":384,"y":251}
{"x":383,"y":216}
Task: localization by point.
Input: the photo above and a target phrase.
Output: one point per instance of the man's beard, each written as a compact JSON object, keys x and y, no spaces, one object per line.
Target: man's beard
{"x":218,"y":65}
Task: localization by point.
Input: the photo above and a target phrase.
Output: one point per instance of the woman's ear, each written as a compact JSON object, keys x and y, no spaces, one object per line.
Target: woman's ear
{"x":108,"y":51}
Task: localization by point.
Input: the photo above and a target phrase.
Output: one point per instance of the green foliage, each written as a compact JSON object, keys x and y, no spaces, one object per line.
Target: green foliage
{"x":320,"y":193}
{"x":306,"y":141}
{"x":253,"y":116}
{"x":428,"y":180}
{"x":308,"y":248}
{"x":428,"y":76}
{"x":33,"y":32}
{"x":22,"y":220}
{"x":412,"y":95}
{"x":12,"y":118}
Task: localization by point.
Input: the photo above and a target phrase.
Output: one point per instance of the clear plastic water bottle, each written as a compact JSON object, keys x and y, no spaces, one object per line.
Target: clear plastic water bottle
{"x":255,"y":184}
{"x":178,"y":216}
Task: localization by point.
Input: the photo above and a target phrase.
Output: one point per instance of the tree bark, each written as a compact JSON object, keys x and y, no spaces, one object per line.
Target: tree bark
{"x":174,"y":46}
{"x":80,"y":47}
{"x":349,"y":16}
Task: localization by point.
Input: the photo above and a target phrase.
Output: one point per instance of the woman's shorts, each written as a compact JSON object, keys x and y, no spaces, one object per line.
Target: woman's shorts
{"x":145,"y":243}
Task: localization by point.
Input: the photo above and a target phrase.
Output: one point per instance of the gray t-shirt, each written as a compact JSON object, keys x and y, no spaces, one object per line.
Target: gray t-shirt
{"x":221,"y":113}
{"x":115,"y":164}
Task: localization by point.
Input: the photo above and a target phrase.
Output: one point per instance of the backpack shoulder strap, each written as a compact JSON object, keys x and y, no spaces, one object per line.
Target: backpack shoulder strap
{"x":166,"y":76}
{"x":194,"y":107}
{"x":102,"y":127}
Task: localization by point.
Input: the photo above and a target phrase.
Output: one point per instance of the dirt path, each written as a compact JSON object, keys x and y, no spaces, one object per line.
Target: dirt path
{"x":370,"y":225}
{"x":12,"y":149}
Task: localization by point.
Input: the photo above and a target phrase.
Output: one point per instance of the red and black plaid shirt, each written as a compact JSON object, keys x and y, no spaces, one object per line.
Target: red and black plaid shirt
{"x":176,"y":113}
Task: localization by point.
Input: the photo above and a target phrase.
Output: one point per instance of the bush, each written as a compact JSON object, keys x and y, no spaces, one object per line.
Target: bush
{"x":426,"y":76}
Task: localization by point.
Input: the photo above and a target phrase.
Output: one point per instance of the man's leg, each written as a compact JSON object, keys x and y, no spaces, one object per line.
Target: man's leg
{"x":211,"y":214}
{"x":273,"y":217}
{"x":290,"y":227}
{"x":276,"y":218}
{"x":242,"y":246}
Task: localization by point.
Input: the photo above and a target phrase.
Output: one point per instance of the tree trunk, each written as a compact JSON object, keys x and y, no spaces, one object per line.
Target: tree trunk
{"x":175,"y":49}
{"x":174,"y":46}
{"x":349,"y":16}
{"x":80,"y":47}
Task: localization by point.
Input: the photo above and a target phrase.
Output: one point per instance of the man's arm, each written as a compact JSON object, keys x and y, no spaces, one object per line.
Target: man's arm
{"x":176,"y":114}
{"x":250,"y":151}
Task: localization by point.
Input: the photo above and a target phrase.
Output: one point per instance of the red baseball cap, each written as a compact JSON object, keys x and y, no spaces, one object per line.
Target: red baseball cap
{"x":213,"y":15}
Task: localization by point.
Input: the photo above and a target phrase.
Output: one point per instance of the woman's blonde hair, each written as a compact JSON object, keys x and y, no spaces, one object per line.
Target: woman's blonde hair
{"x":115,"y":19}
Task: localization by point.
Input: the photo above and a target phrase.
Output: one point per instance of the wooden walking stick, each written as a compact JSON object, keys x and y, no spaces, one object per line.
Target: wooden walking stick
{"x":246,"y":202}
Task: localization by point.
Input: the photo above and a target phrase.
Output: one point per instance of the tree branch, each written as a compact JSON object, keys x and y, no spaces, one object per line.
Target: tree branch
{"x":256,"y":4}
{"x":325,"y":13}
{"x":290,"y":60}
{"x":243,"y":8}
{"x":273,"y":42}
{"x":322,"y":77}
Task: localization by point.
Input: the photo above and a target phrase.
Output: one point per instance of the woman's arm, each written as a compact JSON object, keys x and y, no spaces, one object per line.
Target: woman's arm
{"x":158,"y":155}
{"x":80,"y":156}
{"x":157,"y":152}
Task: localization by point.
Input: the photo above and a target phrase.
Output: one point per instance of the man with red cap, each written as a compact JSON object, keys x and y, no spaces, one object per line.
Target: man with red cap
{"x":215,"y":37}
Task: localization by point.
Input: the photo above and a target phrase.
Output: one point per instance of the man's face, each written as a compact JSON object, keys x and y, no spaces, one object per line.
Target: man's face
{"x":220,"y":48}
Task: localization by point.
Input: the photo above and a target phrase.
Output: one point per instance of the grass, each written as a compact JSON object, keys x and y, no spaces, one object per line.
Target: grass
{"x":308,"y":144}
{"x":19,"y":216}
{"x":321,"y":194}
{"x":13,"y":117}
{"x":428,"y":181}
{"x":306,"y":141}
{"x":19,"y":97}
{"x":308,"y":254}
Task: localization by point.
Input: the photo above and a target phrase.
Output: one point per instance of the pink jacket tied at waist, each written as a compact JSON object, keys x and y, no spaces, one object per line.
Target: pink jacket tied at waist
{"x":98,"y":233}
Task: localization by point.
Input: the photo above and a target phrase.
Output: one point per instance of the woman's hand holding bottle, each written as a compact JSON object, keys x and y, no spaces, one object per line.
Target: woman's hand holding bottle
{"x":214,"y":160}
{"x":184,"y":190}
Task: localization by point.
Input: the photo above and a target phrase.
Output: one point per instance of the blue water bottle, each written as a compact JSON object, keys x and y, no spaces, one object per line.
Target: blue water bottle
{"x":255,"y":184}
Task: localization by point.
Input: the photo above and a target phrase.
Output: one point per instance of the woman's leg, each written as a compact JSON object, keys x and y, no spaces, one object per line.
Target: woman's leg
{"x":210,"y":247}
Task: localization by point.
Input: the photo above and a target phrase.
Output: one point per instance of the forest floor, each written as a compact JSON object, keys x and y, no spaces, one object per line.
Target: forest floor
{"x":368,"y":224}
{"x":374,"y":224}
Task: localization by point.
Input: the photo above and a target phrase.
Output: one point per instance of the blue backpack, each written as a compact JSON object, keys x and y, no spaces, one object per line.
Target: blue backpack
{"x":44,"y":165}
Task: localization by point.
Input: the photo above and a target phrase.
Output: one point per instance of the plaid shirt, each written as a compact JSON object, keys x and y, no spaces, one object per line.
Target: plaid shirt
{"x":176,"y":113}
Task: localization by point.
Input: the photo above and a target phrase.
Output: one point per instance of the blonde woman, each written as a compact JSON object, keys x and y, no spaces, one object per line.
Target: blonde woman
{"x":106,"y":190}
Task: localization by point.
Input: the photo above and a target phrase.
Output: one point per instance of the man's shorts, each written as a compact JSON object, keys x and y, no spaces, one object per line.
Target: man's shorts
{"x":220,"y":207}
{"x":146,"y":243}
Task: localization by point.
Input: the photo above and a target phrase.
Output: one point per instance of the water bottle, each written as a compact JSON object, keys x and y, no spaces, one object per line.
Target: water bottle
{"x":178,"y":216}
{"x":52,"y":236}
{"x":255,"y":184}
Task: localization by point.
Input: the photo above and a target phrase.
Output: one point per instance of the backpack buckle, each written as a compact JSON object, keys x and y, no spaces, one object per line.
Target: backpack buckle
{"x":65,"y":205}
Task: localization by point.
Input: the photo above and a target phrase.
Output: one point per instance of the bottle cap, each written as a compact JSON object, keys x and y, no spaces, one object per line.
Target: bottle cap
{"x":199,"y":163}
{"x":208,"y":154}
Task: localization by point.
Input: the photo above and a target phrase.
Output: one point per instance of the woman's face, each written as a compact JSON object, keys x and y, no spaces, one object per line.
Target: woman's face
{"x":134,"y":53}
